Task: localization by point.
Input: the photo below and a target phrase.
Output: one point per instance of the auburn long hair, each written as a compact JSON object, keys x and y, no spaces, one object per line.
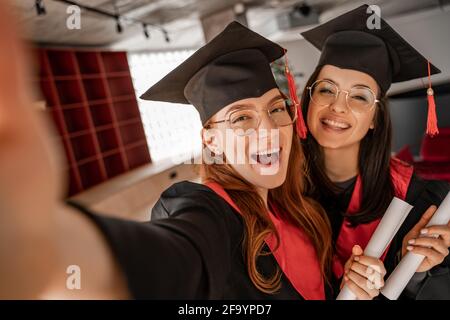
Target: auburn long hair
{"x":373,"y":164}
{"x":289,"y":200}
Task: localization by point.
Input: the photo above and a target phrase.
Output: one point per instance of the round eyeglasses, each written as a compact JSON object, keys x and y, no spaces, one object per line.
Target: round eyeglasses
{"x":359,"y":99}
{"x":243,"y":120}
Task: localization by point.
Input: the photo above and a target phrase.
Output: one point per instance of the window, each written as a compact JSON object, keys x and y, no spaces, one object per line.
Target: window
{"x":172,"y":130}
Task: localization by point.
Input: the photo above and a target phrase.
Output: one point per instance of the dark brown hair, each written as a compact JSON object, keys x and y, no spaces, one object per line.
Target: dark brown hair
{"x":373,"y":164}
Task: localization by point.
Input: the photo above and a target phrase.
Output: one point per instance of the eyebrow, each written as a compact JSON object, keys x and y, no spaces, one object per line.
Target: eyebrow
{"x":250,"y":105}
{"x":356,"y":85}
{"x":276,"y":98}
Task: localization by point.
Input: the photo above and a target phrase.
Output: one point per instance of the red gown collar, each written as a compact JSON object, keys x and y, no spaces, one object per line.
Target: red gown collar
{"x":295,"y":255}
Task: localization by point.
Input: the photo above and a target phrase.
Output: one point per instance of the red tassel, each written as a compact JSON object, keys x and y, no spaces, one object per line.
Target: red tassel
{"x":300,"y":125}
{"x":432,"y":128}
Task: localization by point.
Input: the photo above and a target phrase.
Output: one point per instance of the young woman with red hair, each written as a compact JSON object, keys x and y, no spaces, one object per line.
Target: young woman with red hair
{"x":247,"y":232}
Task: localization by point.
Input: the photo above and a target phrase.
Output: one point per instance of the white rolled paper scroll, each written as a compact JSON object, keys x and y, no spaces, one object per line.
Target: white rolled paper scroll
{"x":393,"y":218}
{"x":405,"y":270}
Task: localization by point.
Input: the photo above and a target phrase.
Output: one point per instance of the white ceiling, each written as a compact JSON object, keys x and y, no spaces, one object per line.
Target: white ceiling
{"x":181,"y":18}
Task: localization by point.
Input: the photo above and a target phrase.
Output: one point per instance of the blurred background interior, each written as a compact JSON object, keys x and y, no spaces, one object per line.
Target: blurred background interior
{"x":123,"y":152}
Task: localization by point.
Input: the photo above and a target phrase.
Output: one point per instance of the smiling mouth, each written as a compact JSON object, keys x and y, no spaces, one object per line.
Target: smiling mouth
{"x":267,"y":157}
{"x":335,"y":124}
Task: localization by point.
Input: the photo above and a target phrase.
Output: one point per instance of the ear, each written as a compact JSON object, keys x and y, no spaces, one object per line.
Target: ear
{"x":211,"y":139}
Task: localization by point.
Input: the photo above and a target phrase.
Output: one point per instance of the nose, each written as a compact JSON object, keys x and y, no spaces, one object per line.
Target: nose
{"x":266,"y":122}
{"x":268,"y":135}
{"x":340,"y":105}
{"x":266,"y":130}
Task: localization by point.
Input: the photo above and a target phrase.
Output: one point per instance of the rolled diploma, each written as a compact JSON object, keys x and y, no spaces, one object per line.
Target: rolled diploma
{"x":405,"y":270}
{"x":393,"y":218}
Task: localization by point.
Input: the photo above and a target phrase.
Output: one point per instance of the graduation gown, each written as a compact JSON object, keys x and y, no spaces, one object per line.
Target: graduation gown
{"x":419,"y":193}
{"x":191,"y":249}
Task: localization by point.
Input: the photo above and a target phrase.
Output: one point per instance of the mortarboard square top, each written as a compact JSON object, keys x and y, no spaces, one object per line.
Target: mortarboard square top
{"x":234,"y":65}
{"x":347,"y":42}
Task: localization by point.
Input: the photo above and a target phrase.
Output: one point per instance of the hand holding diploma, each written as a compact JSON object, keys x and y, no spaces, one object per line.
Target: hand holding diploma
{"x":426,"y":246}
{"x":393,"y":218}
{"x":363,"y":275}
{"x":431,"y":242}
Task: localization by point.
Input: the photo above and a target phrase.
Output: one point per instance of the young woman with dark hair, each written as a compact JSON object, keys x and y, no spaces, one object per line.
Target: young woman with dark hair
{"x":348,"y":149}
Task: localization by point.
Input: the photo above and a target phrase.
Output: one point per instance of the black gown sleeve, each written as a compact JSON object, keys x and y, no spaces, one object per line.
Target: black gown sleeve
{"x":436,"y":283}
{"x":185,"y":256}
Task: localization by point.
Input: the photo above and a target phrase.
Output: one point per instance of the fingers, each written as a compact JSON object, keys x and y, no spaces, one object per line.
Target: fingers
{"x":371,"y":262}
{"x":348,"y":265}
{"x":432,"y":255}
{"x":442,"y":231}
{"x":361,"y":269}
{"x":363,"y":287}
{"x":15,"y":93}
{"x":357,"y":250}
{"x":364,"y":275}
{"x":431,"y":243}
{"x":425,"y":218}
{"x":342,"y":284}
{"x":360,"y":293}
{"x":368,"y":272}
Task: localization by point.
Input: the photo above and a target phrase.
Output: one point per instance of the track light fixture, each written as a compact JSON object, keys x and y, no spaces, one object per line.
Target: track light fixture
{"x":40,"y":7}
{"x":146,"y":33}
{"x":119,"y":27}
{"x":166,"y":35}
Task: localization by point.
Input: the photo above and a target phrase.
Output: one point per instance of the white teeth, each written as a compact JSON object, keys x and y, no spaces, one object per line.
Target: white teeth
{"x":266,"y":158}
{"x":261,"y":153}
{"x":337,"y":124}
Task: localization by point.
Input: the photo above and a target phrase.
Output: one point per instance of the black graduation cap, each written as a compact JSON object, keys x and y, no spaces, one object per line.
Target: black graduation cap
{"x":347,"y":42}
{"x":234,"y":65}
